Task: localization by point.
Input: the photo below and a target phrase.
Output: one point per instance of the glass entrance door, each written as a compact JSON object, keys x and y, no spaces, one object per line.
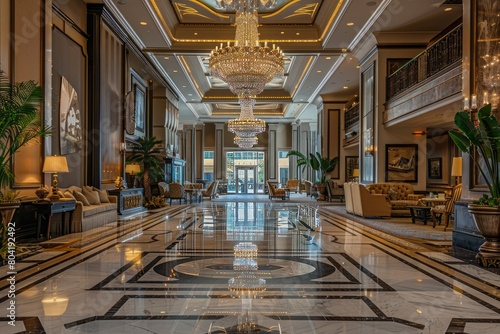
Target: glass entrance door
{"x":245,"y":180}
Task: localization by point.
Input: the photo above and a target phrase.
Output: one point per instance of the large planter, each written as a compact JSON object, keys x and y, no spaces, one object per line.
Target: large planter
{"x":322,"y":191}
{"x":487,"y":220}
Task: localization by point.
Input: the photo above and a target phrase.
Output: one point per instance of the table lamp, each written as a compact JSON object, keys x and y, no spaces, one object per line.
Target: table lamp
{"x":456,"y":168}
{"x":355,"y":174}
{"x":55,"y":164}
{"x":133,"y":169}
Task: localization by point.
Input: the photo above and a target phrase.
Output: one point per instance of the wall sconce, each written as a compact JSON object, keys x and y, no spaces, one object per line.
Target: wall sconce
{"x":418,"y":133}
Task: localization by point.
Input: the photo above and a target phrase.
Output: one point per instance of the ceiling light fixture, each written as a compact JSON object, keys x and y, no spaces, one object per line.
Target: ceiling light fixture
{"x":247,"y":66}
{"x":143,"y":23}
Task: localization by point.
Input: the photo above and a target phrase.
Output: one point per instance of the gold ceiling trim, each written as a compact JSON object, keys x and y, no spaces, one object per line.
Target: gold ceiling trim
{"x":183,"y":60}
{"x":184,"y":10}
{"x":261,"y":113}
{"x":226,"y":97}
{"x":173,"y":38}
{"x":332,"y":18}
{"x":280,"y":10}
{"x":224,"y":16}
{"x":302,"y":75}
{"x":304,"y":11}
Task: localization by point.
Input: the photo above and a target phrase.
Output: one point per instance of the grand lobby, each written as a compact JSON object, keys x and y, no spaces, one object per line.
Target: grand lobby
{"x":373,"y":84}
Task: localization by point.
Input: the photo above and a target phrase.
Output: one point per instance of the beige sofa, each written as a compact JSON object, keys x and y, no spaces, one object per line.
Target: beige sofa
{"x":361,"y":203}
{"x":86,"y":217}
{"x":399,"y":194}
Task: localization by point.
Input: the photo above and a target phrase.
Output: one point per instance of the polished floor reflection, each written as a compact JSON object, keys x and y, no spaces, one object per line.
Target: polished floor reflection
{"x":247,"y":267}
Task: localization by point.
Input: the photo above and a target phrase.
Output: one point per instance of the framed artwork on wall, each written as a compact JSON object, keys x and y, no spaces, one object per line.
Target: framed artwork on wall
{"x":401,"y":162}
{"x":70,"y":126}
{"x":434,"y":168}
{"x":140,"y":103}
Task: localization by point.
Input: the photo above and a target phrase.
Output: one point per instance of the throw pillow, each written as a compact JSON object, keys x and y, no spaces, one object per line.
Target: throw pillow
{"x":67,"y":194}
{"x":92,"y":196}
{"x":103,"y":195}
{"x":393,"y":194}
{"x":79,"y":197}
{"x":60,"y":194}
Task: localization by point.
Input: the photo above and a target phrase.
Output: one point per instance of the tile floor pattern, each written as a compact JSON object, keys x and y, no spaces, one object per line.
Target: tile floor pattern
{"x":168,"y":272}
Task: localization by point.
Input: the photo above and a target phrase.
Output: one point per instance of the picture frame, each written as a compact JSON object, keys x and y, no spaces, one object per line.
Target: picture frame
{"x":70,"y":125}
{"x":434,"y":168}
{"x":351,"y":163}
{"x":401,"y":163}
{"x":140,"y":103}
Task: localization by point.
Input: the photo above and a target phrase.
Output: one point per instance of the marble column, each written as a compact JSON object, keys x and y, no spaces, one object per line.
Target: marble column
{"x":272,"y":156}
{"x":219,"y":157}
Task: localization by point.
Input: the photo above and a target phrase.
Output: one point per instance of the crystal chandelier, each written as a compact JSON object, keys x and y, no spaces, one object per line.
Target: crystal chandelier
{"x":246,"y":126}
{"x":245,"y":142}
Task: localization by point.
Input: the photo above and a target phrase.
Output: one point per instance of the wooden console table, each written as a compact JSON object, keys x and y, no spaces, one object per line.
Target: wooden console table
{"x":46,"y":209}
{"x":129,"y":200}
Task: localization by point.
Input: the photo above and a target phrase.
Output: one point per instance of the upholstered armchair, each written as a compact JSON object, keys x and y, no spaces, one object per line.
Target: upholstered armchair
{"x":211,"y":191}
{"x":334,"y":190}
{"x":307,"y":187}
{"x":277,"y":192}
{"x":176,"y":192}
{"x":292,"y":185}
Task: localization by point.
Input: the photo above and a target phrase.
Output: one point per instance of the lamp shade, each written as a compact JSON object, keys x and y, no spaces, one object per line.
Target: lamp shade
{"x":55,"y":164}
{"x":456,"y":166}
{"x":355,"y":172}
{"x":132,"y":169}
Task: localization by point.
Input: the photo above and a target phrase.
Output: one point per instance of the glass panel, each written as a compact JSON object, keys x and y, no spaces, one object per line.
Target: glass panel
{"x":249,"y":182}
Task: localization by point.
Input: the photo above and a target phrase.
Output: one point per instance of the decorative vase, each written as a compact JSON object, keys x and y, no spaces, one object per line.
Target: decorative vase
{"x":487,"y":220}
{"x":41,"y":192}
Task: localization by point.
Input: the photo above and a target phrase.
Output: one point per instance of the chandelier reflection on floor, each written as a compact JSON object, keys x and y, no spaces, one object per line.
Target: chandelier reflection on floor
{"x":246,"y":66}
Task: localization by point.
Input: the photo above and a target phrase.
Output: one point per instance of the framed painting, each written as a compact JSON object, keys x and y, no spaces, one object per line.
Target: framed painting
{"x":70,"y":129}
{"x":351,"y":163}
{"x":139,"y":101}
{"x":401,"y":163}
{"x":434,"y":168}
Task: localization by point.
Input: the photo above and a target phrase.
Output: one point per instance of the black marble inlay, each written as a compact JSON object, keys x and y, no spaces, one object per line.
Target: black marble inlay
{"x":266,"y":267}
{"x":457,"y":325}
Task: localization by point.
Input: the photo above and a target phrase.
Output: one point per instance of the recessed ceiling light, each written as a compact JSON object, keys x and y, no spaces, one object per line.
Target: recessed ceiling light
{"x":282,"y":32}
{"x":350,"y":24}
{"x":297,"y":33}
{"x":175,"y":71}
{"x":319,"y":71}
{"x":345,"y":87}
{"x":344,"y":50}
{"x":166,"y":57}
{"x":183,"y":86}
{"x":357,"y":66}
{"x":328,"y":58}
{"x":448,"y":9}
{"x":190,"y":94}
{"x":196,"y":34}
{"x":143,"y":23}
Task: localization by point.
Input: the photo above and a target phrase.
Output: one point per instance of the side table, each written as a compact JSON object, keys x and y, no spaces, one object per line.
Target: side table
{"x":422,"y":213}
{"x":129,"y":200}
{"x":45,"y":209}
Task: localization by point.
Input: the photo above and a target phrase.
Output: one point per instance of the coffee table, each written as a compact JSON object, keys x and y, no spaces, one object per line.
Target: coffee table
{"x":421,"y":213}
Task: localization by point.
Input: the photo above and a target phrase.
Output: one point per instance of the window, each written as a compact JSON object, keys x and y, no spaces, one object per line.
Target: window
{"x":208,"y":165}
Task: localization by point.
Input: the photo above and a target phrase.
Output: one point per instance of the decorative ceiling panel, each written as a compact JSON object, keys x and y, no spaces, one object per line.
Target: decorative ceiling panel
{"x":295,"y":12}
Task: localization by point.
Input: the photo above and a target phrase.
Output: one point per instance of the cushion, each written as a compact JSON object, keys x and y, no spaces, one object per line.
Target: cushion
{"x":103,"y":195}
{"x":60,"y":194}
{"x":80,"y":197}
{"x":92,"y":196}
{"x":68,"y":194}
{"x":393,"y":194}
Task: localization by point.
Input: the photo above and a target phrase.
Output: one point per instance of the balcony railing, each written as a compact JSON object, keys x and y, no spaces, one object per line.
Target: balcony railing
{"x":443,"y":53}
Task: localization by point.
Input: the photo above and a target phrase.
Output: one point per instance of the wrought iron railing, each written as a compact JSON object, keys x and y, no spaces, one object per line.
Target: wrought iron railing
{"x":438,"y":56}
{"x":351,"y":117}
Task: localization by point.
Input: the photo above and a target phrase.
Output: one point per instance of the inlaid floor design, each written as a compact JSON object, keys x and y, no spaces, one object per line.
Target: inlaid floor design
{"x":177,"y":272}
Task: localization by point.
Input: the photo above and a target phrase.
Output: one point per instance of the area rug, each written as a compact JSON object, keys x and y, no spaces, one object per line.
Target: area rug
{"x":400,"y":226}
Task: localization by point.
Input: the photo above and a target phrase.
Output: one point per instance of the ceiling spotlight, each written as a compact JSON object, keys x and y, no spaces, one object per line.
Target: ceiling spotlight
{"x":143,"y":23}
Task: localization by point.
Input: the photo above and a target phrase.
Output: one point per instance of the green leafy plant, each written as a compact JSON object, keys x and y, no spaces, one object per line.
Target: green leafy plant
{"x":156,"y":202}
{"x":317,"y":163}
{"x":8,"y":195}
{"x":20,"y":122}
{"x":147,"y":153}
{"x":485,"y":138}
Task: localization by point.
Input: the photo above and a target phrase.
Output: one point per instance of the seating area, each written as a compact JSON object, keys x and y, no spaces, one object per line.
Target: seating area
{"x":293,"y":185}
{"x":211,"y":191}
{"x":277,"y":192}
{"x":361,"y":202}
{"x":442,"y":213}
{"x":399,"y":194}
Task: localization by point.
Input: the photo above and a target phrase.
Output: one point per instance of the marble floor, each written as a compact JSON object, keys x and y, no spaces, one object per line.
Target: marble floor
{"x":247,"y":267}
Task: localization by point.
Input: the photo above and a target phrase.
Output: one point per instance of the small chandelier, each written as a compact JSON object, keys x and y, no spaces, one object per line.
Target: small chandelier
{"x":247,"y":66}
{"x":245,"y":142}
{"x":246,"y":126}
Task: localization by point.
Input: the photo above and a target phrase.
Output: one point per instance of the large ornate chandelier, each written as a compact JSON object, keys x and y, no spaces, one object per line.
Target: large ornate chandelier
{"x":247,"y":66}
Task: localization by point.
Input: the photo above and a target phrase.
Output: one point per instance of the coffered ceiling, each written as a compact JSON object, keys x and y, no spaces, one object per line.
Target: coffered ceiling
{"x":322,"y":40}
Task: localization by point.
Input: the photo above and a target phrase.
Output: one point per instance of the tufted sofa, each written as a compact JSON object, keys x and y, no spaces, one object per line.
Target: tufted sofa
{"x":400,"y":195}
{"x":86,"y":215}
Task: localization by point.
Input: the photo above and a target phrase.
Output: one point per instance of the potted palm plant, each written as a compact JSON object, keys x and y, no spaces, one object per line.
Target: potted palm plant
{"x":148,"y":154}
{"x":20,"y":124}
{"x":318,"y":163}
{"x":483,"y":138}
